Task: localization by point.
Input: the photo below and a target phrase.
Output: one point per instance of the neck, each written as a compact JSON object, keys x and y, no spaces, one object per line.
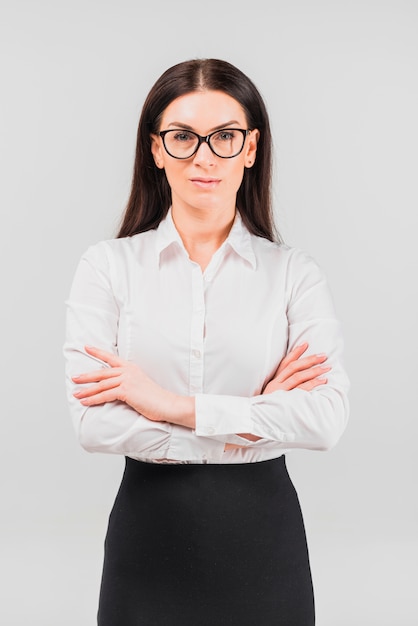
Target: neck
{"x":202,"y":232}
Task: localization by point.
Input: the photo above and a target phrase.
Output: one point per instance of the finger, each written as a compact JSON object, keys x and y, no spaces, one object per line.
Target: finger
{"x":302,"y":364}
{"x":100,"y":398}
{"x":299,"y":378}
{"x":97,"y":375}
{"x":103,"y":355}
{"x":311,"y":384}
{"x":291,"y":356}
{"x":104,"y":385}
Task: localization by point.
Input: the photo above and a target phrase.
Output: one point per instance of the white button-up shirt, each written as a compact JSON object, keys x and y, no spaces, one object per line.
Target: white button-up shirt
{"x":217,"y":335}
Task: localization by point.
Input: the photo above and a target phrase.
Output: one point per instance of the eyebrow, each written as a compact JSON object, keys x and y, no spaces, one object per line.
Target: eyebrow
{"x":187,"y":127}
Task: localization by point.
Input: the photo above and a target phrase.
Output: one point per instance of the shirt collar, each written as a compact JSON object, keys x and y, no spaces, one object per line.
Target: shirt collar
{"x":239,"y":238}
{"x":167,"y":234}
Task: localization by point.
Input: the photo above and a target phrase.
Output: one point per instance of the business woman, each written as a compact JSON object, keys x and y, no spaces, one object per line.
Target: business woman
{"x":203,"y":349}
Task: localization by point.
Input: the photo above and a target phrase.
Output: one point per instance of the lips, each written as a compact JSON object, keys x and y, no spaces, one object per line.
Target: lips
{"x":205,"y":183}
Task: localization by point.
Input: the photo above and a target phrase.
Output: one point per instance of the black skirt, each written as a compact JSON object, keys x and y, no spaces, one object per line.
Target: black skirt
{"x":206,"y":545}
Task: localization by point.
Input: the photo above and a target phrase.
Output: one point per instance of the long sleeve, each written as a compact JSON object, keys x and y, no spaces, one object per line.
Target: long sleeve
{"x":217,"y":336}
{"x":93,"y":316}
{"x":297,"y":418}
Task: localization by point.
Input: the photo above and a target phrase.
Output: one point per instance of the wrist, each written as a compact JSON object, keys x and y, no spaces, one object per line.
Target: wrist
{"x":183,"y":412}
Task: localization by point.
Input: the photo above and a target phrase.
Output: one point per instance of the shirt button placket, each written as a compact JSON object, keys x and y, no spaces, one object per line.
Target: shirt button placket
{"x":197,"y":331}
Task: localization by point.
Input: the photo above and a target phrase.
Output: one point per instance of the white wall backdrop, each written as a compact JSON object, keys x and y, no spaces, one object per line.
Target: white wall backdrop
{"x":340,"y":79}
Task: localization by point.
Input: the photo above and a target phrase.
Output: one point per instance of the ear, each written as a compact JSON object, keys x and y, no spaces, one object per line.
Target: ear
{"x":251,"y":149}
{"x":157,"y":151}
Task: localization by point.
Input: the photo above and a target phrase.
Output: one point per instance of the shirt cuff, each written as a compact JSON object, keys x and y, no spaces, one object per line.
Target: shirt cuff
{"x":222,"y":415}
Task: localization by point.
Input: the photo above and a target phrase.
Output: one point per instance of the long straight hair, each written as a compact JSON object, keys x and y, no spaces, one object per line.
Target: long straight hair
{"x":150,"y":196}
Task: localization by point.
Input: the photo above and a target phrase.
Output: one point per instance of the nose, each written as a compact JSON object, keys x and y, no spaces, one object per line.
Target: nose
{"x":204,"y":155}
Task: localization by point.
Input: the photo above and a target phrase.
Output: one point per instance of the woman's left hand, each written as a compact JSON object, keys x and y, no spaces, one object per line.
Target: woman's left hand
{"x":126,"y":382}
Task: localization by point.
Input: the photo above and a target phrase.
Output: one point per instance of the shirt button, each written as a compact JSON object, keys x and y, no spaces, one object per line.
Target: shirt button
{"x":210,"y":431}
{"x":197,"y":354}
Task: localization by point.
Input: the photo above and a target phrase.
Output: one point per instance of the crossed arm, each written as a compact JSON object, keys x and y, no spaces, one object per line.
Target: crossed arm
{"x":126,"y":382}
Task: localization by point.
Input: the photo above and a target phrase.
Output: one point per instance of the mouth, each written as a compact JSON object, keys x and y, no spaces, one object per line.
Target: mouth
{"x":205,"y":183}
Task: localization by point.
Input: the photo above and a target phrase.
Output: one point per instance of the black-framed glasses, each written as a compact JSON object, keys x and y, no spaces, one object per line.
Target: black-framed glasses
{"x":183,"y":144}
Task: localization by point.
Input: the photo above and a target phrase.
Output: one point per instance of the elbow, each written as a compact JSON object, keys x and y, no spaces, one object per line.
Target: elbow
{"x":97,"y":429}
{"x":96,"y":433}
{"x":115,"y":428}
{"x":87,"y":437}
{"x":89,"y":433}
{"x":327,"y":441}
{"x":333,"y":424}
{"x":87,"y":443}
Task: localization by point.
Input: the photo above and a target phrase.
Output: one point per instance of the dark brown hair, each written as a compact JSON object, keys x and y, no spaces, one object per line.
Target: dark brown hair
{"x":150,"y":196}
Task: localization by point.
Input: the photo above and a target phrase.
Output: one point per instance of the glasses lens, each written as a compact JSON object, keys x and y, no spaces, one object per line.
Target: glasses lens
{"x":180,"y":143}
{"x":227,"y":142}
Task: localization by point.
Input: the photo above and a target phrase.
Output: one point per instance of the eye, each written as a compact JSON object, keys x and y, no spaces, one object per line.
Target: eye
{"x":224,"y":135}
{"x":182,"y":136}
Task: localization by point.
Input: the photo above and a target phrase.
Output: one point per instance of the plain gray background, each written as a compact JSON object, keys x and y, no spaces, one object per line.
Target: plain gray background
{"x":341,"y":84}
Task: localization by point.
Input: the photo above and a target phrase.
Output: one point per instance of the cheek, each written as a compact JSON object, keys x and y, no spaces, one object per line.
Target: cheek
{"x":236,"y":176}
{"x":174,"y":173}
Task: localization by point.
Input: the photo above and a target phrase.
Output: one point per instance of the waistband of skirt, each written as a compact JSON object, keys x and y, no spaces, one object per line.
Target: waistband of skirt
{"x":167,"y":467}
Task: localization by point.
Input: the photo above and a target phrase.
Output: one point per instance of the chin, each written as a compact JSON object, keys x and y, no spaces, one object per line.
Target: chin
{"x":211,"y":201}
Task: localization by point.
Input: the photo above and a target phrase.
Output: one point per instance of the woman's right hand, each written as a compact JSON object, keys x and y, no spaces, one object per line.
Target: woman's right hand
{"x":297,"y":372}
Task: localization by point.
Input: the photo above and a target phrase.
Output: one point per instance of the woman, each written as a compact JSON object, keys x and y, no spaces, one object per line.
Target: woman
{"x":202,"y":350}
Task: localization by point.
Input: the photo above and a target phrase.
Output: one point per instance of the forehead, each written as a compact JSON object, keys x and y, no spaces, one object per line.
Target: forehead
{"x":203,"y":111}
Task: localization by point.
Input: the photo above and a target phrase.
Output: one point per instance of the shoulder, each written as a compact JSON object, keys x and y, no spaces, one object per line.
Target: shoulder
{"x":293,"y":269}
{"x":110,"y":251}
{"x":281,"y":255}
